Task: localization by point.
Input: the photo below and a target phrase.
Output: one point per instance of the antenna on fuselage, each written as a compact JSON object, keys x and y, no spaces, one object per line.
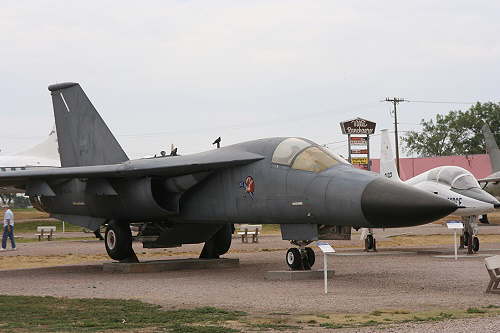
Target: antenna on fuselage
{"x":217,"y":142}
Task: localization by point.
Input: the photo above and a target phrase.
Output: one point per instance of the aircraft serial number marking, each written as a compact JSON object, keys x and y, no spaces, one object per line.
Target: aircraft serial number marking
{"x":458,"y":201}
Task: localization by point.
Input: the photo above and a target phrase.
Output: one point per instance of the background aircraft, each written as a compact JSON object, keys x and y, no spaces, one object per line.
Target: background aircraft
{"x":312,"y":193}
{"x":492,"y":182}
{"x":44,"y":154}
{"x":448,"y":182}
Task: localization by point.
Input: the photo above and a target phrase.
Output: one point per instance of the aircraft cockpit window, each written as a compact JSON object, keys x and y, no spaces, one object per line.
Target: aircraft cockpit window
{"x":465,"y":182}
{"x":314,"y":159}
{"x":287,"y":149}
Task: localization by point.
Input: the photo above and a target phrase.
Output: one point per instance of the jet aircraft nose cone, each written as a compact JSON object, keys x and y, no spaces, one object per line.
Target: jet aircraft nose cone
{"x":393,"y":204}
{"x":478,"y":194}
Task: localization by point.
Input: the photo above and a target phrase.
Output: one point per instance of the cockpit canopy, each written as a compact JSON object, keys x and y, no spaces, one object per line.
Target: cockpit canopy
{"x":302,"y":155}
{"x":455,"y":177}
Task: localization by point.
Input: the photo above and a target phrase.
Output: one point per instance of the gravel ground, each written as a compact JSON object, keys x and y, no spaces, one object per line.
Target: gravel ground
{"x":455,"y":326}
{"x":414,"y":280}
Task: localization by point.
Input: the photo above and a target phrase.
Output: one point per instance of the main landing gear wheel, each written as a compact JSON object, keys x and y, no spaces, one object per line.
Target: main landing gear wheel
{"x":484,"y":219}
{"x":294,"y":259}
{"x":475,"y":244}
{"x":371,"y":243}
{"x":310,"y":256}
{"x":118,"y":241}
{"x":300,"y":259}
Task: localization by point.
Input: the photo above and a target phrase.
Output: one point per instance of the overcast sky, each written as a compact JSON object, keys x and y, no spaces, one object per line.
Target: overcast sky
{"x":186,"y":72}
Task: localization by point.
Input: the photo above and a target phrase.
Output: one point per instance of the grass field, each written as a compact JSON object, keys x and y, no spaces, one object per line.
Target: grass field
{"x":50,"y":314}
{"x":30,"y":226}
{"x":29,"y":214}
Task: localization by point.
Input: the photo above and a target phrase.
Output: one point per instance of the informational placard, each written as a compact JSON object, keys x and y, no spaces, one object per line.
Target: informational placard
{"x":454,"y":225}
{"x":325,"y":247}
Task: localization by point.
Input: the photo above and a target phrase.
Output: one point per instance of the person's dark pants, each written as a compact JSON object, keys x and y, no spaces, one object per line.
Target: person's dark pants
{"x":8,"y":231}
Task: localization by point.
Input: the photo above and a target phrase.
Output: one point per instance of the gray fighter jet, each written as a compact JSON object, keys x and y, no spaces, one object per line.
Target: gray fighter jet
{"x":312,"y":193}
{"x":492,"y":182}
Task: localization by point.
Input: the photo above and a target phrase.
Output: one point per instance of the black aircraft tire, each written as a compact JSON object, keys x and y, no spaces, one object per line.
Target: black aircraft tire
{"x":475,"y":244}
{"x":370,"y":242}
{"x":293,"y":259}
{"x":311,"y":256}
{"x":484,"y":219}
{"x":118,"y":241}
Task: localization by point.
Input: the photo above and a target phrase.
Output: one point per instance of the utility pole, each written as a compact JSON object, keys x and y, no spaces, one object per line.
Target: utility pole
{"x":395,"y":101}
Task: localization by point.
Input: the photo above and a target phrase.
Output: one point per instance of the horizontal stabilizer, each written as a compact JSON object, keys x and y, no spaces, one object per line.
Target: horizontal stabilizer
{"x":489,"y":180}
{"x":46,"y":149}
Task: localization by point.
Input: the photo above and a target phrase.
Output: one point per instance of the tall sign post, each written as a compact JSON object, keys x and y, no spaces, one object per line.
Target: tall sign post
{"x":358,"y":136}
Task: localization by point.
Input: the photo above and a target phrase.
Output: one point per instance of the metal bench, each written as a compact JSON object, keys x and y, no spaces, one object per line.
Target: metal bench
{"x":45,"y":231}
{"x":246,"y":230}
{"x":493,"y":267}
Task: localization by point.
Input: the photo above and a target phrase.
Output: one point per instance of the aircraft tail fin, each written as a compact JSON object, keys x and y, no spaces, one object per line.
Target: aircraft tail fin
{"x":84,"y":139}
{"x":46,"y":149}
{"x":387,"y":160}
{"x":491,"y":148}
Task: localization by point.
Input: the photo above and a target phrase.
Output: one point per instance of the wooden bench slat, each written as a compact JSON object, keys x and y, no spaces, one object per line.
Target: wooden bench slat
{"x":492,"y":262}
{"x":493,"y":267}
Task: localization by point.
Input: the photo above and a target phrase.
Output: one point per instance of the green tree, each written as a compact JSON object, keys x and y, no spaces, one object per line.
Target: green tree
{"x":456,"y":133}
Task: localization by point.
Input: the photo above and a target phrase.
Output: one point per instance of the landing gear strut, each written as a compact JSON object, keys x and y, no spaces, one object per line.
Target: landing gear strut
{"x":118,"y":241}
{"x":302,"y":258}
{"x":469,"y":237}
{"x":219,"y":243}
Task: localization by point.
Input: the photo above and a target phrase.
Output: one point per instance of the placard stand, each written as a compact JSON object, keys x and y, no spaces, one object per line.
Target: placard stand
{"x":455,"y":225}
{"x":326,"y":249}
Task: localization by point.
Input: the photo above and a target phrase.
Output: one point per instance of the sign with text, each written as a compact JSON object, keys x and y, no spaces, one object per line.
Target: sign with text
{"x":358,"y":126}
{"x":358,"y":141}
{"x":454,"y":225}
{"x":359,"y":160}
{"x":359,"y":151}
{"x":325,"y":247}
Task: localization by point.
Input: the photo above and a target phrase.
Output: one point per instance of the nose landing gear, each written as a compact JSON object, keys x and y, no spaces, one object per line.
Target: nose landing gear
{"x":370,"y":241}
{"x":302,"y":258}
{"x":469,"y":238}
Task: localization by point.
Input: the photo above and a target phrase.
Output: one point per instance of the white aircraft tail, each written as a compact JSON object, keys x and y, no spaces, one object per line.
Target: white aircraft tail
{"x":48,"y":148}
{"x":491,"y":148}
{"x":387,"y":159}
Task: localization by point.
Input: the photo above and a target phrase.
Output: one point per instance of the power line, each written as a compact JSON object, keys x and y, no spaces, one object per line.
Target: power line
{"x":438,"y":102}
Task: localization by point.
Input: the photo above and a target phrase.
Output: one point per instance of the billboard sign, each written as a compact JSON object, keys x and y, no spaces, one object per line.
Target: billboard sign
{"x":359,"y":160}
{"x":358,"y":126}
{"x":359,"y":151}
{"x":358,"y":141}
